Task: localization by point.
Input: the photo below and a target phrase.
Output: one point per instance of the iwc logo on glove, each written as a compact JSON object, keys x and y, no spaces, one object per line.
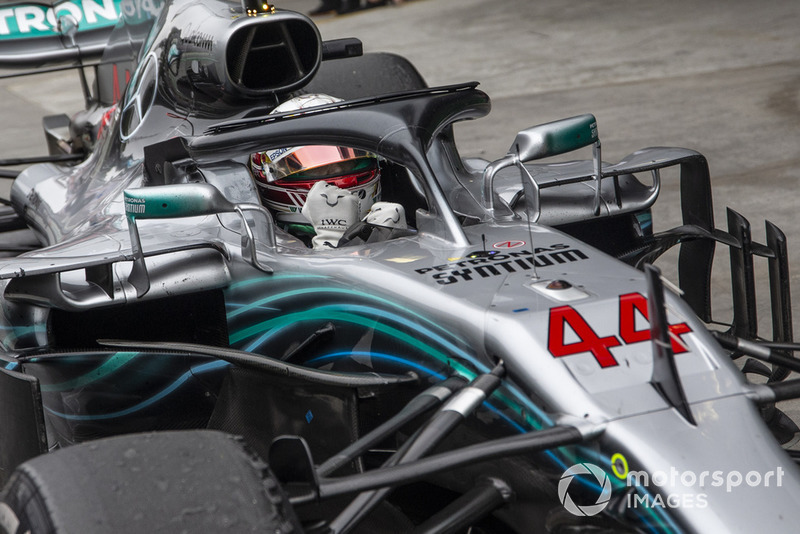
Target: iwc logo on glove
{"x":332,"y":211}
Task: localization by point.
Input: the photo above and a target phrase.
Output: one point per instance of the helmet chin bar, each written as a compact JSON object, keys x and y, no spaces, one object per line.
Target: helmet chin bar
{"x":185,"y":200}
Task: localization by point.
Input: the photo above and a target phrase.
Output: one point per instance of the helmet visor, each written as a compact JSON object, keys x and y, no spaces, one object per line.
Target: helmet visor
{"x":318,"y":162}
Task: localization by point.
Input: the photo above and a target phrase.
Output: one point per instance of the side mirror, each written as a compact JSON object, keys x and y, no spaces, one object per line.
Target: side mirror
{"x":184,"y":200}
{"x":176,"y":200}
{"x":554,"y":138}
{"x":545,"y":140}
{"x":67,"y":25}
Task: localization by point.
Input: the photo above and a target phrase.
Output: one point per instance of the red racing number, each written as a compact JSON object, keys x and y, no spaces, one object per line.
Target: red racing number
{"x":590,"y":341}
{"x":627,"y":323}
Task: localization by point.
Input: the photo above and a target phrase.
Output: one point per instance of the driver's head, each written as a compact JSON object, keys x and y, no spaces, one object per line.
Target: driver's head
{"x":285,"y":175}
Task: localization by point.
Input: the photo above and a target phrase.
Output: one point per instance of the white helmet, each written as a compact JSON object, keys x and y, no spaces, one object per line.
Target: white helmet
{"x":285,"y":175}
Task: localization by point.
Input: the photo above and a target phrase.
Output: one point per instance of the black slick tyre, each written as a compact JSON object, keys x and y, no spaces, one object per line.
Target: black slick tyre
{"x":188,"y":482}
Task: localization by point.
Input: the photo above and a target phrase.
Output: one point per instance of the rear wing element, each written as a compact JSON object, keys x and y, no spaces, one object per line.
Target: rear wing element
{"x":34,"y":34}
{"x":38,"y":34}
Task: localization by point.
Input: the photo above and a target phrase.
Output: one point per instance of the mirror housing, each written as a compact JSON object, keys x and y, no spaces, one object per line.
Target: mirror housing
{"x":184,"y":200}
{"x":554,"y":138}
{"x":543,"y":141}
{"x":176,"y":200}
{"x":67,"y":25}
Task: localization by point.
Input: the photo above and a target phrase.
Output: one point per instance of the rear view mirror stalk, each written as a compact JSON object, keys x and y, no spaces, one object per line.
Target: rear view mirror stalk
{"x":545,"y":140}
{"x":185,"y":200}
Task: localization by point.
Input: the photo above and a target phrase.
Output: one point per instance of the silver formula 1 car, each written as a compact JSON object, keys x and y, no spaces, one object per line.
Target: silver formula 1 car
{"x":174,"y":357}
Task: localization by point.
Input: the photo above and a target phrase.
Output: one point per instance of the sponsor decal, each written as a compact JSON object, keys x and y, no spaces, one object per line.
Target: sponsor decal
{"x":135,"y":205}
{"x":509,"y":244}
{"x":562,"y":317}
{"x":276,"y":154}
{"x":488,"y":264}
{"x":333,"y":222}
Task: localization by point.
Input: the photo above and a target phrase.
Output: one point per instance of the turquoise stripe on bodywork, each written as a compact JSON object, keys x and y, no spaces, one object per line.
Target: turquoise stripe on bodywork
{"x":202,"y":368}
{"x":510,"y":396}
{"x":243,"y":308}
{"x":111,"y":365}
{"x":9,"y":335}
{"x":329,"y":314}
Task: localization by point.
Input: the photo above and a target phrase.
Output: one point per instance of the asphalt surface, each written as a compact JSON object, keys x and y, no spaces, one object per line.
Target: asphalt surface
{"x":718,"y":76}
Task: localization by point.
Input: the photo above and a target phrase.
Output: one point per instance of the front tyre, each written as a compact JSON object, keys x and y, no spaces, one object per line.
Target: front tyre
{"x":192,"y":482}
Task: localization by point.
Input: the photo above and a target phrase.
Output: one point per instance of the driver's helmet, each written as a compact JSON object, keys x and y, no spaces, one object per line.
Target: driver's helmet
{"x":285,"y":175}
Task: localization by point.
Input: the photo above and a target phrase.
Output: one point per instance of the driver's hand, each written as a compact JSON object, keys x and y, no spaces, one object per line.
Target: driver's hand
{"x":387,"y":215}
{"x":331,"y":211}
